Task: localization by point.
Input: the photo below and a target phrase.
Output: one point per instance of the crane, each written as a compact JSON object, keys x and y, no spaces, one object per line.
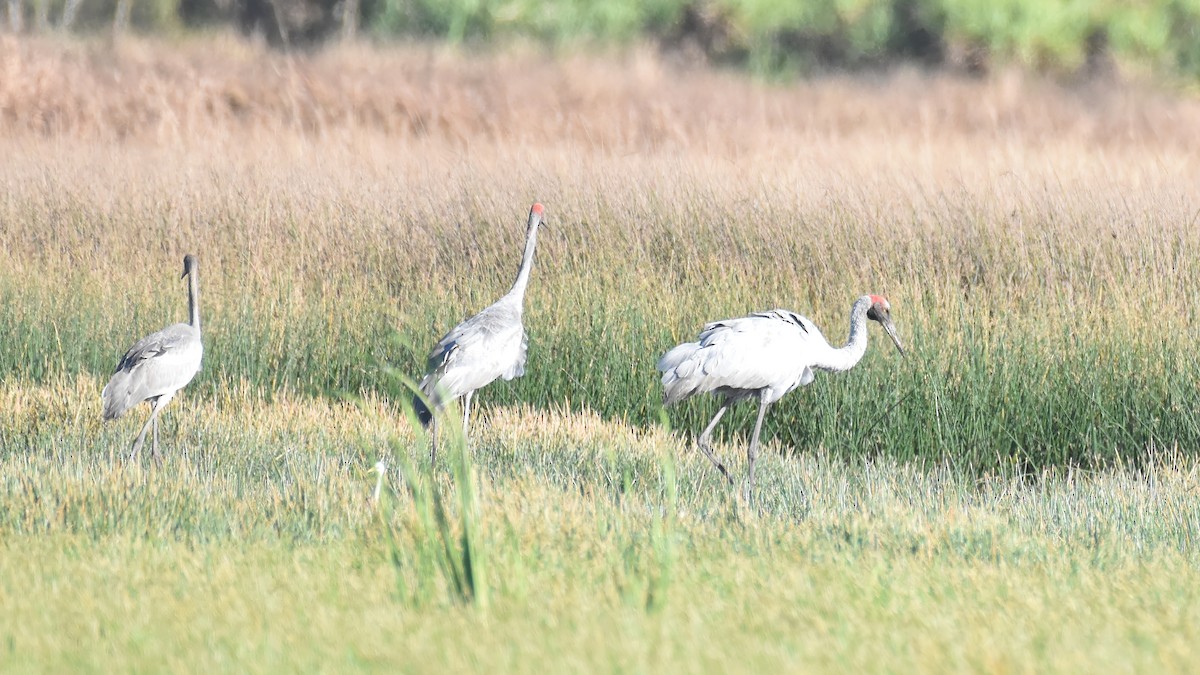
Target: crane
{"x":764,"y":355}
{"x":156,"y":367}
{"x":489,"y":345}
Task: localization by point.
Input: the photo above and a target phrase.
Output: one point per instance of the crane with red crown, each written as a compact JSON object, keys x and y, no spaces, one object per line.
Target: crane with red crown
{"x":490,"y":345}
{"x":764,"y":356}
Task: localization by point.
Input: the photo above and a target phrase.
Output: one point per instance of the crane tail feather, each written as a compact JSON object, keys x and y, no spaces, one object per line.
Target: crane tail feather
{"x":422,"y":411}
{"x":117,"y":396}
{"x":680,"y":373}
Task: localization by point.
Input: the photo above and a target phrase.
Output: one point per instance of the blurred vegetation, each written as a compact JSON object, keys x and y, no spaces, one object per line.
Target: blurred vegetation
{"x":768,"y":36}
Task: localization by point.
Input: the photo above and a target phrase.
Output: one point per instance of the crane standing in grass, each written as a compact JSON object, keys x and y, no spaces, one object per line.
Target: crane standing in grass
{"x":489,"y":345}
{"x":764,"y":356}
{"x":158,"y":366}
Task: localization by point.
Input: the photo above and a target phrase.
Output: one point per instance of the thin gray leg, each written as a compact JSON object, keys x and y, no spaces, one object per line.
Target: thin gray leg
{"x":433,"y":439}
{"x":466,"y":412}
{"x":154,"y":451}
{"x":705,"y":444}
{"x":157,"y":404}
{"x":752,"y":453}
{"x":141,"y":439}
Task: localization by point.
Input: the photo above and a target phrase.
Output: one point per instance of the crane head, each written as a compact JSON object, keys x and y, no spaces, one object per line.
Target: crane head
{"x":189,"y":264}
{"x":535,"y":215}
{"x":881,"y":311}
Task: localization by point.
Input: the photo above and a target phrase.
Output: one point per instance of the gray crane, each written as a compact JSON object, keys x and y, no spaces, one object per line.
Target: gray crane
{"x":158,"y":366}
{"x":487,"y":346}
{"x":764,"y":356}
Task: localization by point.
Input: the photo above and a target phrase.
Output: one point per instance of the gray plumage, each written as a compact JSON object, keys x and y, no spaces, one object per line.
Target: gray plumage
{"x":488,"y":346}
{"x":158,"y":366}
{"x":764,"y":355}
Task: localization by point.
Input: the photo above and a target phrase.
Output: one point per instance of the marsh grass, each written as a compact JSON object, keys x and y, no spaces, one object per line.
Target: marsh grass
{"x":1019,"y":493}
{"x":441,"y":537}
{"x":606,"y":545}
{"x":1042,"y":324}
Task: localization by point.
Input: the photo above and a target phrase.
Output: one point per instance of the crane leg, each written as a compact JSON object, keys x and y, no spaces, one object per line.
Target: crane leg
{"x":752,"y":452}
{"x":141,"y":439}
{"x":704,"y":442}
{"x":466,"y":412}
{"x":433,"y":439}
{"x":152,"y":422}
{"x":154,"y":448}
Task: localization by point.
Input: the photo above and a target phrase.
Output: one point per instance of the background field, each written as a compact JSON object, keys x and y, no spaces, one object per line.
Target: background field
{"x":1063,"y":38}
{"x":1019,"y":493}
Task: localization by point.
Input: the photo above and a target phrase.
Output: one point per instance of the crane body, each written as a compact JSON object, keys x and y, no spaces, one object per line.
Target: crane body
{"x":156,"y":367}
{"x":763,"y":356}
{"x":488,"y":346}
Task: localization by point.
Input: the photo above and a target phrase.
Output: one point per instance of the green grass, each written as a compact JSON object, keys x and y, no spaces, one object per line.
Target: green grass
{"x":1049,"y":331}
{"x":1060,"y":37}
{"x":258,"y":547}
{"x":1019,"y":493}
{"x":772,"y":38}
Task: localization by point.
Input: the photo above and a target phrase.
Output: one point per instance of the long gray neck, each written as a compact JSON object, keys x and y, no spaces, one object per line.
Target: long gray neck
{"x":518,"y":288}
{"x":194,"y":299}
{"x":849,"y":355}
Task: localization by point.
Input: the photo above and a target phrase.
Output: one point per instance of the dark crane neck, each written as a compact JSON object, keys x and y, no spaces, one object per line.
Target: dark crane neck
{"x":193,"y":299}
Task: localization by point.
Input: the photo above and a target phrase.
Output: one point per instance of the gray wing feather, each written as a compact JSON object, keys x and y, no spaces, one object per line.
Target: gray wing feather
{"x":468,"y":338}
{"x":155,"y":344}
{"x":518,"y":366}
{"x":730,"y":355}
{"x":158,"y":364}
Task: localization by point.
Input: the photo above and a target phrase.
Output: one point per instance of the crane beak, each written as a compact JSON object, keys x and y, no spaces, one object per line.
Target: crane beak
{"x":891,"y":331}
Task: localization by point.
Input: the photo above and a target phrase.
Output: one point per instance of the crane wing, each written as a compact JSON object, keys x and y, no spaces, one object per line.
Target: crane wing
{"x":476,"y":330}
{"x":157,"y":365}
{"x":767,"y":350}
{"x":784,"y":316}
{"x":489,"y":345}
{"x":155,"y":345}
{"x":518,"y":366}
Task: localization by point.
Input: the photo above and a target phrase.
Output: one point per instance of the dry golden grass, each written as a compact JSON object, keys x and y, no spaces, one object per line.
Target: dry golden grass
{"x":996,"y":213}
{"x":196,"y":90}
